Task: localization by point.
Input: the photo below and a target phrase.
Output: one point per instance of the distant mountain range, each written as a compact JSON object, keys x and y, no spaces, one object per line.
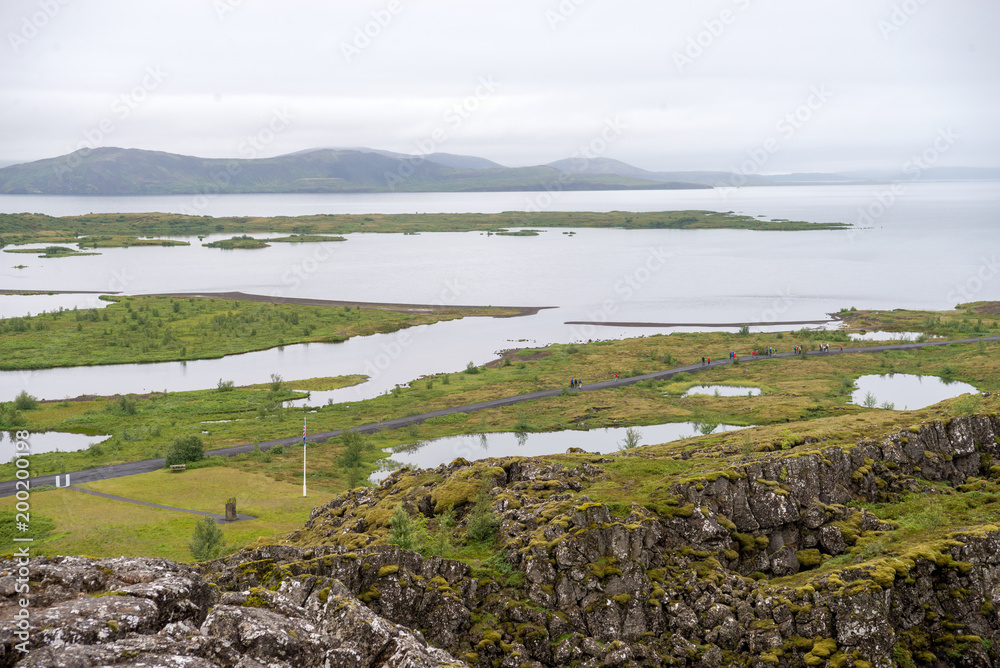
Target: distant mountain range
{"x":119,"y":171}
{"x":610,"y":166}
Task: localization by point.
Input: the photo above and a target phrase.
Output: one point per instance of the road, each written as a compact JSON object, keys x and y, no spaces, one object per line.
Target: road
{"x":148,"y":465}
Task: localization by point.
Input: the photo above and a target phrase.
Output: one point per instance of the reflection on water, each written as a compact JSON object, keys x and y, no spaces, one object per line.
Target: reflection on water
{"x":901,"y":337}
{"x":48,"y":441}
{"x":701,"y":276}
{"x":429,"y":454}
{"x":723,"y":391}
{"x":905,"y":391}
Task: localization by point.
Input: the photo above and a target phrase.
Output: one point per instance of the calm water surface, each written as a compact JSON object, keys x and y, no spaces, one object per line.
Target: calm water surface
{"x":907,"y":391}
{"x":49,"y":441}
{"x":931,"y":249}
{"x":723,"y":391}
{"x":428,"y":454}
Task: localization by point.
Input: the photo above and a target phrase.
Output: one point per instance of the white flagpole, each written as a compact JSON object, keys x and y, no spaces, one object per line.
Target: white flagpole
{"x":303,"y":456}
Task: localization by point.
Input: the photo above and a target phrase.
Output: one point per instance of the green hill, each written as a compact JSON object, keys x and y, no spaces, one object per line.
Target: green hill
{"x":117,"y":171}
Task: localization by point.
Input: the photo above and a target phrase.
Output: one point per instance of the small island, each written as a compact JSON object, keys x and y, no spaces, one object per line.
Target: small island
{"x":49,"y":251}
{"x":306,"y":238}
{"x":242,"y":242}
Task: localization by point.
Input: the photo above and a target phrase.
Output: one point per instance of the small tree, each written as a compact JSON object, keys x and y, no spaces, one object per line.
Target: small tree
{"x":185,"y":449}
{"x":403,"y":531}
{"x":207,"y":542}
{"x":483,"y":522}
{"x":631,"y":440}
{"x":706,"y":427}
{"x":126,"y":404}
{"x":277,"y":382}
{"x":25,"y":402}
{"x":352,"y":458}
{"x":871,"y":401}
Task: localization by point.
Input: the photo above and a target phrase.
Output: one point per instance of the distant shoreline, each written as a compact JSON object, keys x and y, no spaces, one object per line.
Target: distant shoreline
{"x":305,"y":301}
{"x":833,"y":318}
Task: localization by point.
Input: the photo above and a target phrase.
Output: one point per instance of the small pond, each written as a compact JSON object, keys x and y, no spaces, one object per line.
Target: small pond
{"x":905,"y":391}
{"x":48,"y":441}
{"x":723,"y":391}
{"x":902,"y":337}
{"x":429,"y":454}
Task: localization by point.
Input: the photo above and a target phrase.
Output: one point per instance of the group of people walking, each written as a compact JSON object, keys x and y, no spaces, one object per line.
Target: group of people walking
{"x":769,"y":352}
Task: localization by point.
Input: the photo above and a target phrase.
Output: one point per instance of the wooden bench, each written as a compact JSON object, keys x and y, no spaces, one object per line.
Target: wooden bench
{"x":177,"y":468}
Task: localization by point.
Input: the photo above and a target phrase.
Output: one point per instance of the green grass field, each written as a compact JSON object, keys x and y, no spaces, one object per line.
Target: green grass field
{"x":98,"y":527}
{"x":802,"y":397}
{"x":160,"y":329}
{"x":793,"y":389}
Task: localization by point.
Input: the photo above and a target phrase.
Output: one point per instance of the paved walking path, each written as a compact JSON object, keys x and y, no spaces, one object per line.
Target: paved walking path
{"x":148,"y":465}
{"x":220,"y":519}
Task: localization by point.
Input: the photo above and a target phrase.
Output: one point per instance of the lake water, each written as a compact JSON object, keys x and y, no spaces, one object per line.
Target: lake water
{"x":927,"y":250}
{"x":907,"y":391}
{"x":49,"y":441}
{"x":904,"y":337}
{"x":723,"y":391}
{"x":429,"y":454}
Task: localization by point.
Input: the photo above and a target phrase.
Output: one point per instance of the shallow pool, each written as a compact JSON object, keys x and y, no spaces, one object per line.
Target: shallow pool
{"x":903,"y":391}
{"x":723,"y":391}
{"x":48,"y":441}
{"x":429,"y":454}
{"x":902,"y":337}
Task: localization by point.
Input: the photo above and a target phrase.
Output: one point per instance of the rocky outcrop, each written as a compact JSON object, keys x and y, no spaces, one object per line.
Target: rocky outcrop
{"x":715,"y":570}
{"x":154,"y":613}
{"x":764,"y":560}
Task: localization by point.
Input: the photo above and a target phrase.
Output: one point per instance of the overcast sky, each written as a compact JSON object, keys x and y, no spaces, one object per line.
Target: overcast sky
{"x":663,"y":84}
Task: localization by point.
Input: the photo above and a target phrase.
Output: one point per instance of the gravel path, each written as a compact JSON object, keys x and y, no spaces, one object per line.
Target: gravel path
{"x":219,"y":519}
